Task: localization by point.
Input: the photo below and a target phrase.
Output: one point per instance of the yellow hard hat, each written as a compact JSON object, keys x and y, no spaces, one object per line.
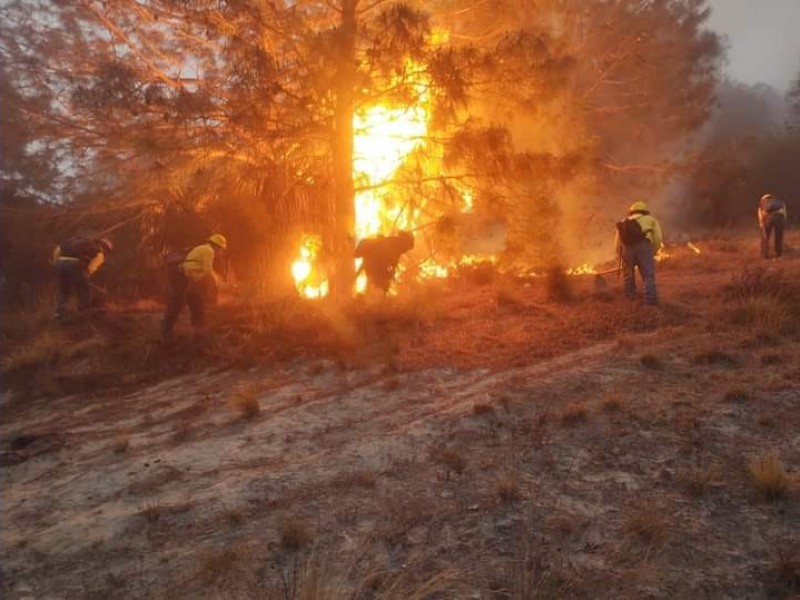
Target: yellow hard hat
{"x":218,"y":240}
{"x":640,"y":206}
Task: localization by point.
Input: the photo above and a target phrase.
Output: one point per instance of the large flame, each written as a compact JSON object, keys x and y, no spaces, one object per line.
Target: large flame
{"x":384,"y":137}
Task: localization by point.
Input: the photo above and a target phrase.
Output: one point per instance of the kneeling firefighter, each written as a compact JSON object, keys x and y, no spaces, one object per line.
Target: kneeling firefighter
{"x":192,"y":279}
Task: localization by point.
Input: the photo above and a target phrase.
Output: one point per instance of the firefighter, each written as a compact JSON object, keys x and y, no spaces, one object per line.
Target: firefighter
{"x":75,"y":261}
{"x":380,"y":256}
{"x":637,"y":241}
{"x":192,"y":279}
{"x":771,"y":219}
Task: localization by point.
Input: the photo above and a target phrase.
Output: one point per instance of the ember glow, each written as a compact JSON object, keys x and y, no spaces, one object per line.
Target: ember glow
{"x":305,"y":271}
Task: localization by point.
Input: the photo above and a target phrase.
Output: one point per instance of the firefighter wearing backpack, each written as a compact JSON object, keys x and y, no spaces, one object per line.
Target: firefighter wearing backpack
{"x":771,"y":219}
{"x":191,"y":279}
{"x":75,"y":261}
{"x":637,"y":241}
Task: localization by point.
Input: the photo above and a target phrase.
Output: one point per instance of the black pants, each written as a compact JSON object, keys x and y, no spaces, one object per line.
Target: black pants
{"x":776,"y":222}
{"x":72,"y":279}
{"x":182,"y":291}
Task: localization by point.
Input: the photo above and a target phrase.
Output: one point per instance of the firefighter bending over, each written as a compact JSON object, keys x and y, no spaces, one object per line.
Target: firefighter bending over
{"x":75,"y":261}
{"x":380,"y":256}
{"x":637,"y":240}
{"x":191,"y":279}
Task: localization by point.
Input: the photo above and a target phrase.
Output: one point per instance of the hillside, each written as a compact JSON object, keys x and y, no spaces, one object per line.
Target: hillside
{"x":485,"y":438}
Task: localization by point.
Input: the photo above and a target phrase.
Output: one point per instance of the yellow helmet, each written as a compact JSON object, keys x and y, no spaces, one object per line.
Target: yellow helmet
{"x":218,"y":240}
{"x":640,"y":206}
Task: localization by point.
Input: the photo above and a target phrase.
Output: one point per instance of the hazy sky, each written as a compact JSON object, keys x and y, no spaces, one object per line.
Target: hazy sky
{"x":764,"y":39}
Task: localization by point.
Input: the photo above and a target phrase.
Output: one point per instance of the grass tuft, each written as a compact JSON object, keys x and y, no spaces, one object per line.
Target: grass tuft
{"x":294,"y":534}
{"x":245,"y":402}
{"x":507,"y":488}
{"x":651,"y":361}
{"x":769,"y":476}
{"x":120,"y":444}
{"x":574,"y":413}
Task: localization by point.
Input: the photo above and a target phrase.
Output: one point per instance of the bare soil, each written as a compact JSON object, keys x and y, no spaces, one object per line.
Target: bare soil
{"x":464,"y":441}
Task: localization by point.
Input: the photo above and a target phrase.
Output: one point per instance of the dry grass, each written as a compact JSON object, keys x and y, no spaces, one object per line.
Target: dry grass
{"x":573,"y":413}
{"x":785,"y":573}
{"x":769,"y":477}
{"x":42,"y":349}
{"x":245,"y":403}
{"x":647,"y":524}
{"x":120,"y":444}
{"x":152,"y":511}
{"x":715,"y":357}
{"x":451,"y":458}
{"x":762,"y":315}
{"x":509,"y":296}
{"x":294,"y":534}
{"x":507,"y":488}
{"x":613,"y":402}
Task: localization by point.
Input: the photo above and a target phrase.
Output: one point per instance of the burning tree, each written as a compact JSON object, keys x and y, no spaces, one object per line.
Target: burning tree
{"x":351,"y":118}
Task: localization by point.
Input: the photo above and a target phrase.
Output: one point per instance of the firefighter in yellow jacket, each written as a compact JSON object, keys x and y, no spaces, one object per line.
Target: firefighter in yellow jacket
{"x":191,"y":279}
{"x":637,"y":241}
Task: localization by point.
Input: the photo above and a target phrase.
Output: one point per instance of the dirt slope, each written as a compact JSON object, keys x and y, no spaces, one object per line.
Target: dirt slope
{"x":498,"y":449}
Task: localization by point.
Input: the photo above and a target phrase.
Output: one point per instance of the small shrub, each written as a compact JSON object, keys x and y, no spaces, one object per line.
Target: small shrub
{"x":769,"y":477}
{"x":574,"y":413}
{"x":246,"y":404}
{"x":120,"y":444}
{"x":647,"y":524}
{"x":294,"y":534}
{"x":451,"y":458}
{"x":480,"y":409}
{"x":613,"y":403}
{"x":651,"y":361}
{"x":152,"y":511}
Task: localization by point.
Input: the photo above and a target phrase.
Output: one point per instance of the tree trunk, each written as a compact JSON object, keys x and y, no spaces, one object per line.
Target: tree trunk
{"x":344,"y":201}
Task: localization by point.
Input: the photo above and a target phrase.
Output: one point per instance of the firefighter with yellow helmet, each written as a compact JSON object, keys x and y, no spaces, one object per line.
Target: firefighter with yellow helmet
{"x":191,"y":278}
{"x":637,"y":241}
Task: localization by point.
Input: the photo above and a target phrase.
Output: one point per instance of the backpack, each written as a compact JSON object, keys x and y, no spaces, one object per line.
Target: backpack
{"x":630,"y":232}
{"x":774,"y":205}
{"x":174,"y":259}
{"x":80,"y":248}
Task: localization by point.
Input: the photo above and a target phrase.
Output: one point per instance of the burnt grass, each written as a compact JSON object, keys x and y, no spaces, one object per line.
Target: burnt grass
{"x":441,"y":444}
